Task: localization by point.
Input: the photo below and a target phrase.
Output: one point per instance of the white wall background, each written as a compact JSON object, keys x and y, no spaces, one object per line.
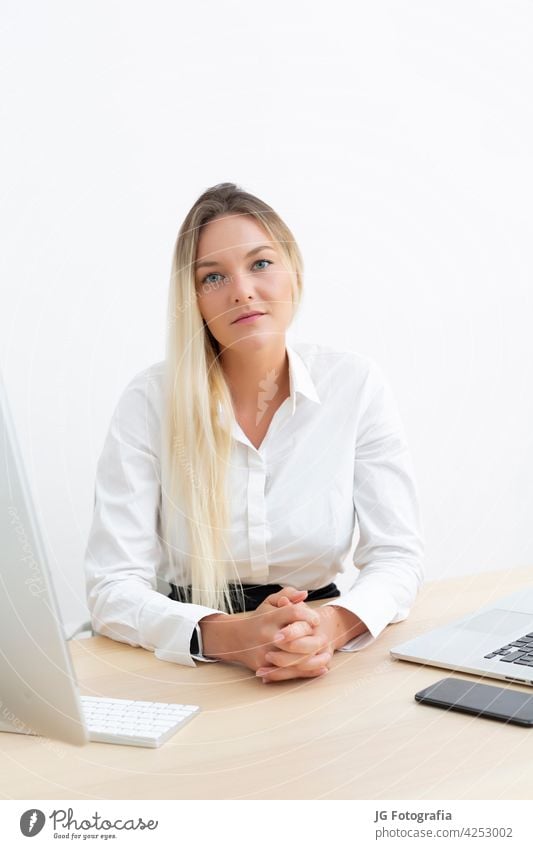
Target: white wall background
{"x":395,"y":138}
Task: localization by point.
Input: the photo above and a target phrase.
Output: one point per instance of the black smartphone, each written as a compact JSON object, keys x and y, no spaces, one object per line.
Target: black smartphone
{"x":479,"y":699}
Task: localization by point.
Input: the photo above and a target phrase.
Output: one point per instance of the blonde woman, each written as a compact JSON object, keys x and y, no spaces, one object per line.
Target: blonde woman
{"x":237,"y":469}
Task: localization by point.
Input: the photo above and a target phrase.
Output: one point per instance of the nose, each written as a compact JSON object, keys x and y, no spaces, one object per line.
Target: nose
{"x":241,"y":286}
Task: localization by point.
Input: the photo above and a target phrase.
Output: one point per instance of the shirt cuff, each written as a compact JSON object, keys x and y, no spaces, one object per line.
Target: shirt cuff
{"x":166,"y":627}
{"x":374,"y":606}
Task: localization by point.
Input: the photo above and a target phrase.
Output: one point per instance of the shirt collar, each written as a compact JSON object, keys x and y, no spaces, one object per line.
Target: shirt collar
{"x":299,"y":378}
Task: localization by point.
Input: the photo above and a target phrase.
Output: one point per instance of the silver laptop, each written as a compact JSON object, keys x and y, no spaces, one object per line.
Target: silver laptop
{"x":38,"y":688}
{"x":494,"y":641}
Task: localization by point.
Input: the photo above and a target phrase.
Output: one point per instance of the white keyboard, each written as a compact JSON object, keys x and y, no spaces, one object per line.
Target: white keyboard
{"x":133,"y":723}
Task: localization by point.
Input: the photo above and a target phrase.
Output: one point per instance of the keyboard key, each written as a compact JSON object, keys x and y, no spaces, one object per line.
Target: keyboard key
{"x":510,"y":658}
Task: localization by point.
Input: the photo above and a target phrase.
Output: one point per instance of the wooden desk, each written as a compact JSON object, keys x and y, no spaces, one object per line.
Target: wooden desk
{"x":356,"y":733}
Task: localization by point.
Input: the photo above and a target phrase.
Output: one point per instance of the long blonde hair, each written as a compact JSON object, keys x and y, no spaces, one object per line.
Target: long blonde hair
{"x":198,"y":415}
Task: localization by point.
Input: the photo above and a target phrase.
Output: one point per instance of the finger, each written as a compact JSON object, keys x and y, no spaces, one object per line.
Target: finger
{"x":293,"y":595}
{"x":292,"y":631}
{"x":283,"y":659}
{"x":285,"y":674}
{"x":300,"y":627}
{"x":304,"y":644}
{"x":300,"y":612}
{"x":284,"y":601}
{"x":290,"y":593}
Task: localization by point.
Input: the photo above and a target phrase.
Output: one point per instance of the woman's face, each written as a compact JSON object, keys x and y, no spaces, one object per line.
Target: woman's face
{"x":239,"y":269}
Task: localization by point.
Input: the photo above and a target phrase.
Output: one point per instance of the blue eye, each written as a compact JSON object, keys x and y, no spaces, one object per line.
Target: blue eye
{"x":216,"y":274}
{"x":262,"y":260}
{"x":206,"y":278}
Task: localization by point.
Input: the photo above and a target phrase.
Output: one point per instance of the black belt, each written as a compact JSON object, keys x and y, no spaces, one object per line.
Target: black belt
{"x":254,"y":594}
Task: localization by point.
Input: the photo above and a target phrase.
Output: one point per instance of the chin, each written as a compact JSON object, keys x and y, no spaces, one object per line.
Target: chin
{"x":254,"y":339}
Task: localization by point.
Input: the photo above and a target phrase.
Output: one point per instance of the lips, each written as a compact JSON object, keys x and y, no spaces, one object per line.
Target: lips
{"x":247,"y":315}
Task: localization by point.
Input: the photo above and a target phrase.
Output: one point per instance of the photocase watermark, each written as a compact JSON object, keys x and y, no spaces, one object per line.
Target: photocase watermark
{"x":202,"y":290}
{"x":34,"y":581}
{"x":8,"y":716}
{"x":386,"y":665}
{"x":65,"y":825}
{"x":269,"y":388}
{"x":187,"y":466}
{"x":205,"y":288}
{"x":32,"y":822}
{"x":367,"y":678}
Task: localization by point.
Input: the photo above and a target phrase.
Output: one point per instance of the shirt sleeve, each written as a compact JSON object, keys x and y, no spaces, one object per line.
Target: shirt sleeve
{"x":390,"y":549}
{"x":124,"y":549}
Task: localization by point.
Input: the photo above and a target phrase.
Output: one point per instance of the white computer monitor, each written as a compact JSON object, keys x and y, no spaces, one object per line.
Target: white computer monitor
{"x":38,"y":688}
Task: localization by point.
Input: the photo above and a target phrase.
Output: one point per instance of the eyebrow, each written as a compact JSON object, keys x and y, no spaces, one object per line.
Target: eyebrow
{"x":209,"y":263}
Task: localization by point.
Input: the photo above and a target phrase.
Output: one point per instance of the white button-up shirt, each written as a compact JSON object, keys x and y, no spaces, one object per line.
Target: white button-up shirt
{"x":333,"y":463}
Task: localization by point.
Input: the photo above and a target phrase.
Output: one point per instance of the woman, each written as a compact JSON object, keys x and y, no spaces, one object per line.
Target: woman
{"x":236,"y":468}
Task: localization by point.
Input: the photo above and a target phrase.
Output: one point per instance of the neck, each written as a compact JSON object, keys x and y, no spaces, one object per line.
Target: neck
{"x":249,"y":374}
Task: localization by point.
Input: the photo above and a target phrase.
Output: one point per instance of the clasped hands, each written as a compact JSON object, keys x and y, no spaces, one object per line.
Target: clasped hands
{"x":282,"y":638}
{"x":301,"y":648}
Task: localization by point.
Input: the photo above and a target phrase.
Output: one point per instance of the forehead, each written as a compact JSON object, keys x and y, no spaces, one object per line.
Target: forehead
{"x":232,"y":234}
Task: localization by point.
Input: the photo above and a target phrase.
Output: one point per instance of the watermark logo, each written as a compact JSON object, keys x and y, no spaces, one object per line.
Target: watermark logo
{"x":65,"y":825}
{"x":31,"y":822}
{"x":269,"y":388}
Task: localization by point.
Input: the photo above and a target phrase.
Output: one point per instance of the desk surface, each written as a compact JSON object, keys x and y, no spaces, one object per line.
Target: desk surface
{"x":356,"y":733}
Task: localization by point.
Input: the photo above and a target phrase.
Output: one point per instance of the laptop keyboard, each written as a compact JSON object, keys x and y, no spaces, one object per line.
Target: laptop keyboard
{"x":520,"y":651}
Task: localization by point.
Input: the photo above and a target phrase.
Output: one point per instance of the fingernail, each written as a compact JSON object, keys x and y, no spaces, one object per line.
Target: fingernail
{"x":260,"y":671}
{"x":279,"y":637}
